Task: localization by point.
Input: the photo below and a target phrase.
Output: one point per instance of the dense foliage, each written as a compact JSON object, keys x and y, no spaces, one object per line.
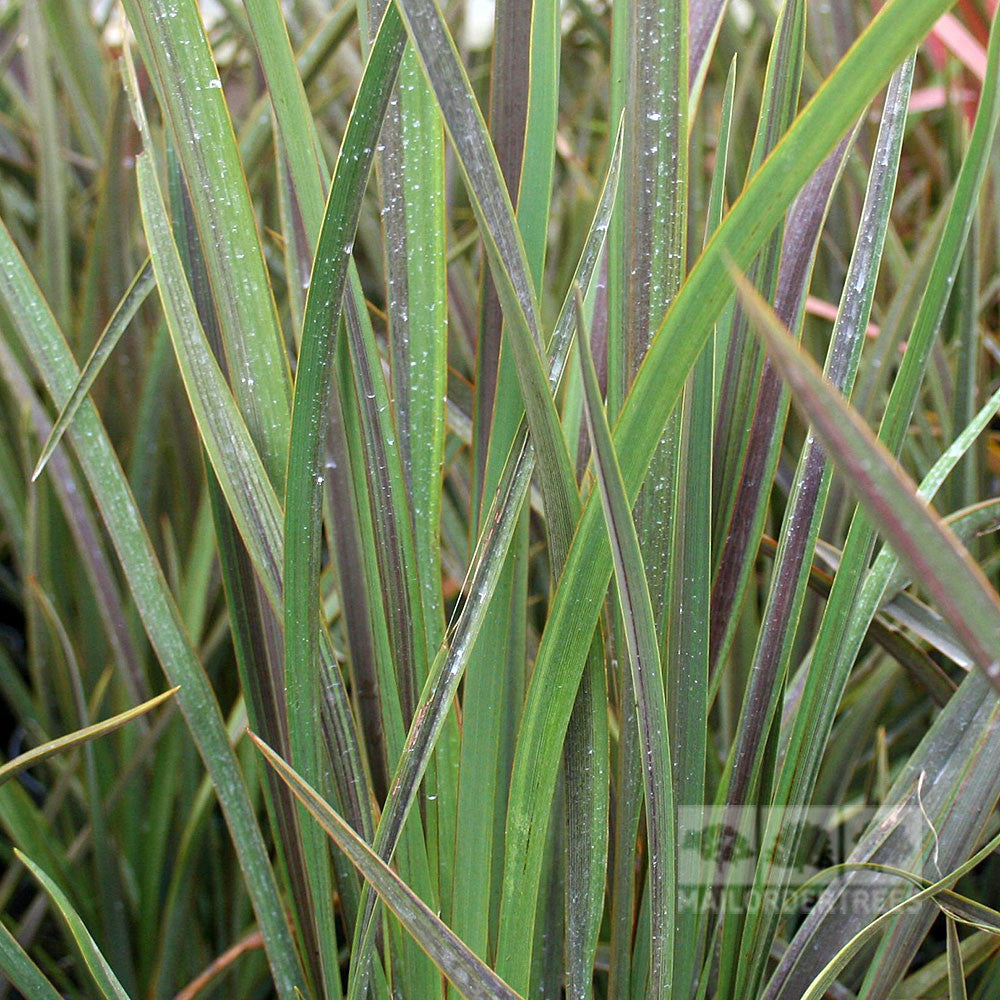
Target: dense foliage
{"x":499,"y":513}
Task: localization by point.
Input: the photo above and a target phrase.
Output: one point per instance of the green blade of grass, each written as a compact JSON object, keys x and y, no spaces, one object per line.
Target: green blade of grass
{"x":22,"y":972}
{"x":450,"y":662}
{"x":310,"y":60}
{"x":311,"y":405}
{"x":322,"y":318}
{"x":644,"y":660}
{"x":85,"y":533}
{"x":256,"y":511}
{"x":70,"y":740}
{"x":523,"y":107}
{"x":736,"y":453}
{"x":43,"y":341}
{"x":124,"y":313}
{"x":97,"y":965}
{"x":399,"y":579}
{"x":689,"y":599}
{"x":956,"y":970}
{"x":504,"y":247}
{"x":822,"y":981}
{"x":414,"y":220}
{"x":176,"y":53}
{"x":836,"y":647}
{"x":755,"y":728}
{"x":574,"y":610}
{"x":399,"y":574}
{"x":647,"y":259}
{"x":473,"y":978}
{"x":226,"y":438}
{"x":53,"y":176}
{"x":75,"y":39}
{"x":921,"y":540}
{"x":286,"y":90}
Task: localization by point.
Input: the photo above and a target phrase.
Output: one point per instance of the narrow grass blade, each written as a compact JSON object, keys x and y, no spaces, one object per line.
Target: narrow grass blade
{"x":511,"y":88}
{"x":75,"y":41}
{"x":822,"y":982}
{"x":86,"y":535}
{"x":414,"y":217}
{"x":449,"y":664}
{"x":741,"y":369}
{"x":313,"y":386}
{"x":364,"y":625}
{"x":399,"y":579}
{"x":523,"y":110}
{"x":43,"y":341}
{"x":504,"y":247}
{"x":780,"y":618}
{"x":659,"y":382}
{"x":321,"y":323}
{"x":102,"y":974}
{"x":956,"y":970}
{"x":936,"y":557}
{"x":644,"y":657}
{"x":310,"y":61}
{"x":836,"y":647}
{"x":257,"y":512}
{"x":397,"y":558}
{"x":286,"y":90}
{"x":788,"y":978}
{"x":131,"y":301}
{"x":689,"y":601}
{"x":226,"y":438}
{"x":175,"y":50}
{"x":647,"y":257}
{"x":473,"y":977}
{"x":21,"y":971}
{"x":53,"y":174}
{"x":70,"y":740}
{"x":705,"y":20}
{"x":762,"y":438}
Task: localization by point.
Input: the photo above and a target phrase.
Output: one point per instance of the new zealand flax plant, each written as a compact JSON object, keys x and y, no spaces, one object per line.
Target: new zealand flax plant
{"x":505,"y":516}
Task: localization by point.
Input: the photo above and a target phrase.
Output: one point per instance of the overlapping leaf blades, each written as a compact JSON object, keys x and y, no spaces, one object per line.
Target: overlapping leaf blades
{"x":547,"y":805}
